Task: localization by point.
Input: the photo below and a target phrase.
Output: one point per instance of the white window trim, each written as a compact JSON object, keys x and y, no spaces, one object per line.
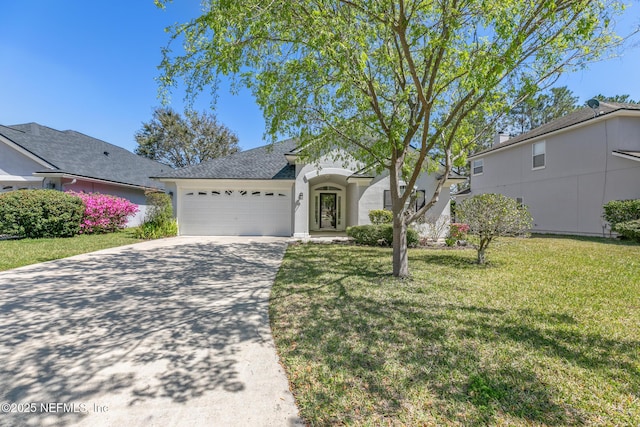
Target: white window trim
{"x":473,"y":168}
{"x":545,"y":155}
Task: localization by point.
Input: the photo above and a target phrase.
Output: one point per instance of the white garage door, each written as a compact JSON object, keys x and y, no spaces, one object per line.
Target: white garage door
{"x":237,"y":212}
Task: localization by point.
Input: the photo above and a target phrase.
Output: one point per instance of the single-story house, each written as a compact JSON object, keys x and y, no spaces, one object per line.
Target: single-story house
{"x":567,"y":169}
{"x":36,"y":156}
{"x":269,"y":190}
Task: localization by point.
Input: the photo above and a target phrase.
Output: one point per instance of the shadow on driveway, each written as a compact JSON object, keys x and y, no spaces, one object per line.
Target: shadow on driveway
{"x":171,"y":332}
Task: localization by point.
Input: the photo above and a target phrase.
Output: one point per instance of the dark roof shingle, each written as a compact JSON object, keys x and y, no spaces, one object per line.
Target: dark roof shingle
{"x":78,"y":154}
{"x":267,"y":162}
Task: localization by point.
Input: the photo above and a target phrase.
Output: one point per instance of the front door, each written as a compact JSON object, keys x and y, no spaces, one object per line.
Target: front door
{"x":328,"y":210}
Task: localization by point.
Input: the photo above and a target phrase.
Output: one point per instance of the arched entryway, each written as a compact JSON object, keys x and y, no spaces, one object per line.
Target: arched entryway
{"x":327,"y":207}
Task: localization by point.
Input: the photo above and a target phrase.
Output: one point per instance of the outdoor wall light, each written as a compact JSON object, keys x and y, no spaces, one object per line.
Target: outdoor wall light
{"x":300,"y":196}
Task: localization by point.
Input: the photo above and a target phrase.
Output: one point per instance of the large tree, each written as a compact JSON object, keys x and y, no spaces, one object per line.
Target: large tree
{"x":542,"y":108}
{"x":625,"y":99}
{"x":396,"y":83}
{"x":184,"y":141}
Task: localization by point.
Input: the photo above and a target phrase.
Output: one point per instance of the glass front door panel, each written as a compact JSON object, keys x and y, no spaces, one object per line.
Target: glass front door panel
{"x":328,"y":212}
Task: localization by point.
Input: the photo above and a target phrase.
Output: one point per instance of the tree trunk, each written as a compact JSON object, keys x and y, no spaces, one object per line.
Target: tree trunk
{"x":400,"y":256}
{"x":481,"y":256}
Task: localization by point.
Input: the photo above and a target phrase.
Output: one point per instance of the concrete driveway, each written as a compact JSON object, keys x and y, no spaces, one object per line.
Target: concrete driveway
{"x":173,"y":332}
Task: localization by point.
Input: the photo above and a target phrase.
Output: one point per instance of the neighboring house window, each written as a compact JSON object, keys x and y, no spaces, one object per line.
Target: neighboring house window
{"x":478,"y":167}
{"x":539,"y":154}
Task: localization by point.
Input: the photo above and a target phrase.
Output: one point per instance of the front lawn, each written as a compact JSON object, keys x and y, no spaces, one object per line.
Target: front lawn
{"x":16,"y":253}
{"x":547,"y":334}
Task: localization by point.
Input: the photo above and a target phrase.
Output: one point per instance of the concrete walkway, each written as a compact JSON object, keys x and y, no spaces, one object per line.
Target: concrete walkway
{"x":172,"y":332}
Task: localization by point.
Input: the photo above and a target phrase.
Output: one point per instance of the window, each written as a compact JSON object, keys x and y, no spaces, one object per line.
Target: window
{"x":419,"y":202}
{"x":539,"y":153}
{"x":387,"y":200}
{"x":477,"y":167}
{"x":420,"y":199}
{"x":328,"y":188}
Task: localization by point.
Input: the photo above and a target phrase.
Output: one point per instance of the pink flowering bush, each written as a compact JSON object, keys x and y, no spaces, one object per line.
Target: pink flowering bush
{"x":458,"y":230}
{"x":104,"y":213}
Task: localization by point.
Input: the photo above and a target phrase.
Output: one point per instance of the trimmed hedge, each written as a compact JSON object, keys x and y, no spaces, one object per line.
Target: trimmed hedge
{"x":629,"y":229}
{"x":379,"y":235}
{"x":380,"y":216}
{"x":40,"y":213}
{"x":617,"y":211}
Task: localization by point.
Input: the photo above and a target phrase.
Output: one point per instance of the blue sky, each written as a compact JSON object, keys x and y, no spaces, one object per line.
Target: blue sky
{"x":90,"y":66}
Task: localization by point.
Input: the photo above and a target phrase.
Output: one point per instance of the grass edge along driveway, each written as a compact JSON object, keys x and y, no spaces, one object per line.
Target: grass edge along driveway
{"x":20,"y":252}
{"x":547,"y":334}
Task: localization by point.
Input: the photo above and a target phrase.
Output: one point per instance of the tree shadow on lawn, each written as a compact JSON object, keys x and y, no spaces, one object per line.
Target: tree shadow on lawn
{"x":162,"y":323}
{"x":479,"y":363}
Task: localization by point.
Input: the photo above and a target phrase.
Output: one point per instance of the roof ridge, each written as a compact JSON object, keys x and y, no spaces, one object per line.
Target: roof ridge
{"x":12,"y":129}
{"x":575,"y":117}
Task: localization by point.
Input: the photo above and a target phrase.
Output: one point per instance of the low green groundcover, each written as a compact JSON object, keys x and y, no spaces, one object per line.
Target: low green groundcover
{"x":545,"y":335}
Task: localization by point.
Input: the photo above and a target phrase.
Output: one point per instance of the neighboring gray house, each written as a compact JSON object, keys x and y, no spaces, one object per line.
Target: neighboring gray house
{"x":269,"y":191}
{"x":565,"y":170}
{"x":36,"y":156}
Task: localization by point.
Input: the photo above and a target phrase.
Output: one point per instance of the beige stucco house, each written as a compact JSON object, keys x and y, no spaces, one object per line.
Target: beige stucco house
{"x":566,"y":170}
{"x":269,"y":190}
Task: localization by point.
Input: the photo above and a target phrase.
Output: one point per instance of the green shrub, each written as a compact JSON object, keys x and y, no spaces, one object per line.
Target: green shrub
{"x":368,"y":235}
{"x":617,"y":211}
{"x":450,"y":241}
{"x":159,"y":221}
{"x":380,"y":216}
{"x":152,"y":230}
{"x":159,"y":207}
{"x":489,"y":216}
{"x":629,"y":229}
{"x":40,"y":213}
{"x":379,"y":235}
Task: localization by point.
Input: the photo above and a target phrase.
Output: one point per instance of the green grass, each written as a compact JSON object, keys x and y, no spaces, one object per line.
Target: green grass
{"x":16,"y":253}
{"x":548,"y":333}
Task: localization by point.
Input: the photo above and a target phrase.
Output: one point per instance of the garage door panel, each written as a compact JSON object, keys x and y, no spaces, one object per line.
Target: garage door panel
{"x":235,"y":212}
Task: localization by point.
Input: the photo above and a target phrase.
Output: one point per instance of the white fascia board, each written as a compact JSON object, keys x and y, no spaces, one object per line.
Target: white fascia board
{"x":291,"y":158}
{"x":360,"y":180}
{"x":89,"y":179}
{"x":19,"y":178}
{"x":26,"y":153}
{"x":625,"y":156}
{"x":597,"y":119}
{"x":233,"y":183}
{"x":452,"y":181}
